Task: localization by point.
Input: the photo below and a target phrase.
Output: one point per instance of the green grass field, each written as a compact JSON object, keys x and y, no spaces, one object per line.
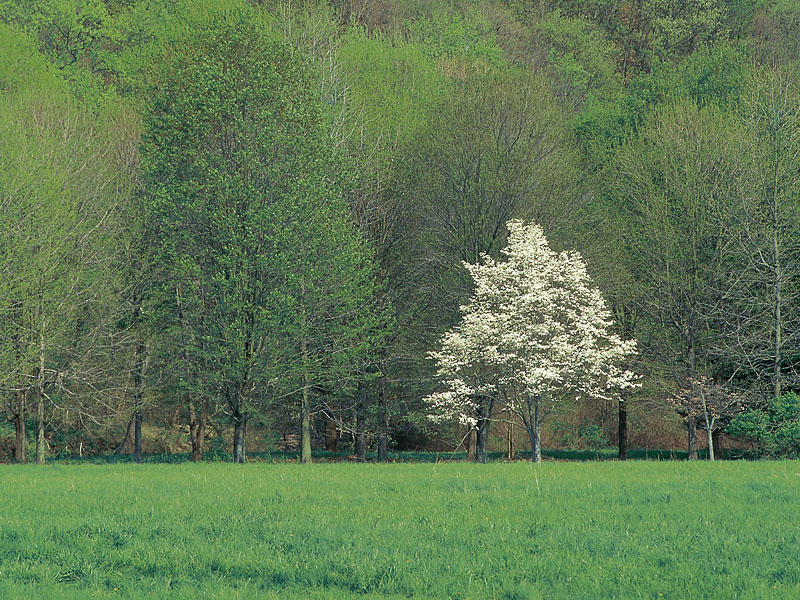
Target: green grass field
{"x":504,"y":530}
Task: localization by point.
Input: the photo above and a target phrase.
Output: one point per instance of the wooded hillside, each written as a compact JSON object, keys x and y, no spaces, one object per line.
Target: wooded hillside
{"x":237,"y":226}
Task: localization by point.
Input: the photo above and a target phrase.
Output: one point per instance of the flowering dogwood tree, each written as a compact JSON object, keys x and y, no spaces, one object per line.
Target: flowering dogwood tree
{"x":534,"y":331}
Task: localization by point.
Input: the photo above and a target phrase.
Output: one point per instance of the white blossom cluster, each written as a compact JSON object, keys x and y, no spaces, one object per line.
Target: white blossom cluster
{"x":535,"y":324}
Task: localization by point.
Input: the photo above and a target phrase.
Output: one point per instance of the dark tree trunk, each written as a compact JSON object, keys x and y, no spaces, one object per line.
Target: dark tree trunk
{"x":692,"y":422}
{"x":534,"y":425}
{"x":40,"y":442}
{"x":331,"y":435}
{"x":472,"y":438}
{"x":138,"y":373}
{"x":305,"y":408}
{"x":197,"y":429}
{"x":20,"y":436}
{"x":305,"y":426}
{"x":482,"y":437}
{"x":137,"y":435}
{"x":510,"y":441}
{"x":383,"y":428}
{"x":361,"y":417}
{"x":717,"y":439}
{"x":239,"y":431}
{"x":623,"y":430}
{"x":121,"y":446}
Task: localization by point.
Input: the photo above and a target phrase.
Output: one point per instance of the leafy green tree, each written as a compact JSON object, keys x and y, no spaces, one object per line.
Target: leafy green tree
{"x":773,"y":428}
{"x":761,"y":312}
{"x":671,"y":186}
{"x":497,"y":149}
{"x":581,"y":58}
{"x":264,"y":284}
{"x":61,"y":199}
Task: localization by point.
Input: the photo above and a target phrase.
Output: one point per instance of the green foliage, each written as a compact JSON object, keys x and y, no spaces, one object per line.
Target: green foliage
{"x":452,"y":36}
{"x":717,"y":76}
{"x":392,"y":87}
{"x":244,"y":204}
{"x":21,"y":66}
{"x":774,"y":429}
{"x":581,"y":57}
{"x":773,"y":38}
{"x":78,"y":36}
{"x":61,"y":195}
{"x":679,"y":28}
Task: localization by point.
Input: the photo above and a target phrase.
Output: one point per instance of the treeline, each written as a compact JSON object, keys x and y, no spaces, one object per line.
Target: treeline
{"x":223,"y":217}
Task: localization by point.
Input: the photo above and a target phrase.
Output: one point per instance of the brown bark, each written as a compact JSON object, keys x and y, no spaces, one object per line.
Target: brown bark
{"x":383,"y":428}
{"x":692,"y":422}
{"x":239,"y":432}
{"x":137,"y":435}
{"x":331,"y":434}
{"x":197,"y":428}
{"x":717,"y":440}
{"x":361,"y":417}
{"x":623,"y":430}
{"x":509,"y":441}
{"x":20,"y":436}
{"x":472,"y":438}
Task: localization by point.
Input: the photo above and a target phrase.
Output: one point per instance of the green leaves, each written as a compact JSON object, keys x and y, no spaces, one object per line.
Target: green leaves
{"x":774,"y":428}
{"x":245,"y":203}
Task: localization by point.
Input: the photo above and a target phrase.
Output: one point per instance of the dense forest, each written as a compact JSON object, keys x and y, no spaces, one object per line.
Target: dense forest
{"x":230,"y":226}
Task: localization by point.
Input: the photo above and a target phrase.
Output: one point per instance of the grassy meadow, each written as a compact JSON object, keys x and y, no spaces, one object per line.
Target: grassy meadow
{"x":640,"y":529}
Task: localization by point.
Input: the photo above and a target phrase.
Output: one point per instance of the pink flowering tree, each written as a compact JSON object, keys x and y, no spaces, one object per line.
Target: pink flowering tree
{"x":535,"y":330}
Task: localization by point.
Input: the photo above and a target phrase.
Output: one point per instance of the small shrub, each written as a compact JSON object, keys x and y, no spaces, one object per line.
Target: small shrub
{"x":774,"y":429}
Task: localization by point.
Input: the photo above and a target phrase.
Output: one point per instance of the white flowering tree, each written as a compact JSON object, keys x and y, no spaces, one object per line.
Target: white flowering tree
{"x":534,"y":331}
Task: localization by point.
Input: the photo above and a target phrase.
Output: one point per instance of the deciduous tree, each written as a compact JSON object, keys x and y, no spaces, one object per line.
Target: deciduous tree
{"x":535,"y":331}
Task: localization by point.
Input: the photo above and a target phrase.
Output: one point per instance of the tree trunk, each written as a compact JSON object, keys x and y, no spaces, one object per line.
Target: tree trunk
{"x":509,"y":441}
{"x":383,"y":429}
{"x":710,"y":443}
{"x":778,"y":347}
{"x":533,"y":426}
{"x":472,"y":436}
{"x":305,"y":423}
{"x":137,"y":436}
{"x":692,"y":422}
{"x":305,"y":408}
{"x":482,"y":436}
{"x":717,"y":439}
{"x":361,"y":417}
{"x":138,"y":373}
{"x":197,"y":429}
{"x":40,"y":442}
{"x":623,"y":430}
{"x":481,"y":439}
{"x":239,"y":432}
{"x":331,"y":435}
{"x":20,"y":435}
